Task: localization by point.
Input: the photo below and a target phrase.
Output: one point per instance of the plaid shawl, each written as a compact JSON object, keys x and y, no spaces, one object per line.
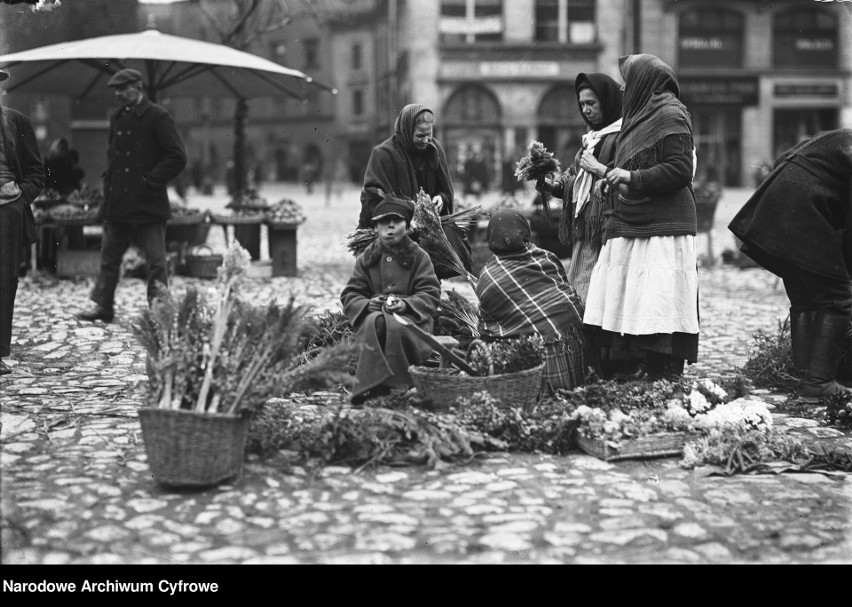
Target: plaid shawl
{"x":527,"y":292}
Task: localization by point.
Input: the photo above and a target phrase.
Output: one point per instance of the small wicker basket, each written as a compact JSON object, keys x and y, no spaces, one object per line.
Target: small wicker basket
{"x":662,"y":444}
{"x":203,"y":265}
{"x":188,"y":448}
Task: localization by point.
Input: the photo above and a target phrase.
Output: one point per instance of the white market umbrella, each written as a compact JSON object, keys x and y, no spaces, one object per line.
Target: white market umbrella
{"x":171,"y":66}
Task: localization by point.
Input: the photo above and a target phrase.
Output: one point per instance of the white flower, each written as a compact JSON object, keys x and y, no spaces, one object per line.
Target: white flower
{"x":697,"y":402}
{"x":743,"y":412}
{"x":714,"y":389}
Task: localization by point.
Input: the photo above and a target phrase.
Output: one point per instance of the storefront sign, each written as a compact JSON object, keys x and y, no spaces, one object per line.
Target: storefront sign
{"x":478,"y":25}
{"x":719,"y":91}
{"x":806,"y":90}
{"x":510,"y":69}
{"x":813,"y":44}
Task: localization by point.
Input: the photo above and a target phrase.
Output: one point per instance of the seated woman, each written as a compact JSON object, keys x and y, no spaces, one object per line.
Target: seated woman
{"x":524,"y":290}
{"x":393,"y":275}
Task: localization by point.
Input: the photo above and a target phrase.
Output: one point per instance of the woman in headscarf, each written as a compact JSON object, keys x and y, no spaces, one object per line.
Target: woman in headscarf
{"x":523,"y":290}
{"x":584,"y":205}
{"x":643,"y":291}
{"x":405,"y":162}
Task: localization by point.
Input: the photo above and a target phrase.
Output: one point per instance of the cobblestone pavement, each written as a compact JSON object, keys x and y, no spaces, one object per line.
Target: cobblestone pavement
{"x":76,"y":487}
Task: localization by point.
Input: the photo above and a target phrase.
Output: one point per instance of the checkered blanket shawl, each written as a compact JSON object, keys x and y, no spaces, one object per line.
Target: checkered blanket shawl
{"x":528,"y":292}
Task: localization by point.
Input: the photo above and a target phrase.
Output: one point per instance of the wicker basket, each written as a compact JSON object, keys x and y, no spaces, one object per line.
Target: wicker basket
{"x":190,"y":219}
{"x":238,"y":219}
{"x":203,"y":266}
{"x":445,"y":385}
{"x":187,"y":448}
{"x":663,"y":444}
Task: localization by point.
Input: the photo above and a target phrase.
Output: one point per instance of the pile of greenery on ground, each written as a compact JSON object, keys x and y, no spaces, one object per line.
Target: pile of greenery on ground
{"x":770,"y":361}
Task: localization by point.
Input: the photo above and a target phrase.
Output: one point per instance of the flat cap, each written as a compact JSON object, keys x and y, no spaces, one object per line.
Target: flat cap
{"x":123,"y":77}
{"x":3,"y":75}
{"x":392,"y":205}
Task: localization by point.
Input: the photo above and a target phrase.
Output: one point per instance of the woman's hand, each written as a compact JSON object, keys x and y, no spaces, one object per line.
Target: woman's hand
{"x":590,"y":164}
{"x":394,"y":305}
{"x":438,"y":202}
{"x":545,"y":185}
{"x":376,"y":303}
{"x":618,"y":176}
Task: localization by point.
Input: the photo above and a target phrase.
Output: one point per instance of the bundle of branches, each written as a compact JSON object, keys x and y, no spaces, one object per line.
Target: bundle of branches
{"x":427,"y":230}
{"x":229,"y":356}
{"x":458,"y":317}
{"x":537,"y":165}
{"x":374,"y":436}
{"x":506,"y":355}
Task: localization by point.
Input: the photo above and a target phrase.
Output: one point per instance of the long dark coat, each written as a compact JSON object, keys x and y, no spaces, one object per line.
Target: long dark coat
{"x":145,"y":153}
{"x":800,"y":215}
{"x":24,"y":160}
{"x":409,"y":275}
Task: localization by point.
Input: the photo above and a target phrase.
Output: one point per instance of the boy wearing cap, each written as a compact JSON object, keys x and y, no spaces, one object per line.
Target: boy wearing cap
{"x":145,"y":153}
{"x":21,"y":180}
{"x":393,"y":275}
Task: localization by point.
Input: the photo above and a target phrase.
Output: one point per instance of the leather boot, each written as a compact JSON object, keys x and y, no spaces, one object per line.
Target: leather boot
{"x":828,"y":334}
{"x":664,"y":366}
{"x":96,"y":313}
{"x":800,"y":333}
{"x":4,"y":368}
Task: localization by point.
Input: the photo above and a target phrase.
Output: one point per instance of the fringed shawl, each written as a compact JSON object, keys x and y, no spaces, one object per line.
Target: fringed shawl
{"x":528,"y":292}
{"x":652,"y":111}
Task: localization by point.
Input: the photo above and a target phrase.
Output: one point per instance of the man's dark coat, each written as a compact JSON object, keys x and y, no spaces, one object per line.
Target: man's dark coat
{"x":145,"y":153}
{"x":800,"y":215}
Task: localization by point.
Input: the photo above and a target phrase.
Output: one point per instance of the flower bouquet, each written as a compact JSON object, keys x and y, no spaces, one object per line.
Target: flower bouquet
{"x":537,"y":165}
{"x":657,"y":419}
{"x":212,"y":358}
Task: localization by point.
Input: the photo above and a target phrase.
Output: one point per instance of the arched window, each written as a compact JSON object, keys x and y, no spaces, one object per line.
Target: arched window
{"x":560,"y":125}
{"x":805,"y":37}
{"x":471,"y":123}
{"x":711,"y":38}
{"x":473,"y":106}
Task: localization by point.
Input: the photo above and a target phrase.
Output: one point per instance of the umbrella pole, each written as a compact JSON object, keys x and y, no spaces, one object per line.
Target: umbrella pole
{"x":240,"y":115}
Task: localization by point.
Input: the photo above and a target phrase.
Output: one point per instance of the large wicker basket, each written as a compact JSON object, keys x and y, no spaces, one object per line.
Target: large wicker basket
{"x":187,"y":448}
{"x":445,"y":385}
{"x":662,"y":444}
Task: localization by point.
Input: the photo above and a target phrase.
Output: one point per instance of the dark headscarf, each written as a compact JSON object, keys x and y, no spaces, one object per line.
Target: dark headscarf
{"x":508,"y":232}
{"x":652,"y":110}
{"x":406,"y":123}
{"x":608,"y":92}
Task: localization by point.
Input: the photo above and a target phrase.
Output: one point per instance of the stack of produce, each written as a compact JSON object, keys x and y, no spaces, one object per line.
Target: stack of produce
{"x":70,"y":214}
{"x":182,"y":215}
{"x":86,"y":197}
{"x":285,"y":211}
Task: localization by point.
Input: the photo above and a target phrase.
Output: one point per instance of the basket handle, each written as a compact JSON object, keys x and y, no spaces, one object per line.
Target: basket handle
{"x":199,"y":250}
{"x":478,"y":344}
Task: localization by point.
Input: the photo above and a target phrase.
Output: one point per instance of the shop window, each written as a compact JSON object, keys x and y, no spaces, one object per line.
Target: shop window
{"x":791,"y":126}
{"x":805,"y":38}
{"x":471,"y":21}
{"x":311,"y":49}
{"x":711,"y":38}
{"x":358,"y":102}
{"x":565,"y":21}
{"x":356,"y":56}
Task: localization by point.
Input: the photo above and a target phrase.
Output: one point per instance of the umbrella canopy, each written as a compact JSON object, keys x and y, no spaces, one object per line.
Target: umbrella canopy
{"x":172,"y":66}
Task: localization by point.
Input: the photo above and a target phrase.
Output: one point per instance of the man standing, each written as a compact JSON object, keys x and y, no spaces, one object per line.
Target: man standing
{"x":145,"y":153}
{"x":21,"y":180}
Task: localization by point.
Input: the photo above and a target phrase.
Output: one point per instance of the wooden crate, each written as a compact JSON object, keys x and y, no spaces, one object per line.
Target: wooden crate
{"x":70,"y":262}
